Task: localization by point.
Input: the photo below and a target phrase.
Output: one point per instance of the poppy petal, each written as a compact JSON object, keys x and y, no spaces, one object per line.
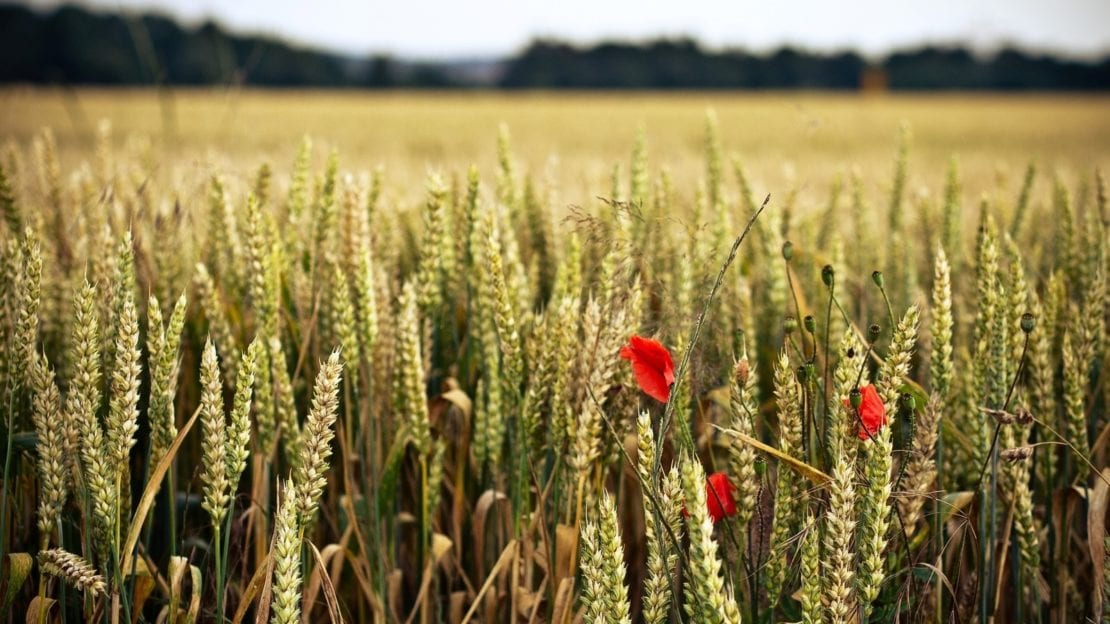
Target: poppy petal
{"x":872,"y":412}
{"x":651,"y":381}
{"x":652,"y":366}
{"x":652,"y":352}
{"x":719,"y":498}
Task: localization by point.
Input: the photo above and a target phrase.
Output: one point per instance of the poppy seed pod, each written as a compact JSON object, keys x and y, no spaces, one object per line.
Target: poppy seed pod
{"x":877,"y":277}
{"x":855,"y":398}
{"x":873,"y":331}
{"x":789,"y":325}
{"x":787,"y":250}
{"x":810,"y":324}
{"x":908,"y":401}
{"x":828,"y":275}
{"x":1028,"y":322}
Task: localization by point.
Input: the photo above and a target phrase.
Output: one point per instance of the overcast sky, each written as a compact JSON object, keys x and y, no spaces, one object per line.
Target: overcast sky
{"x":427,"y":28}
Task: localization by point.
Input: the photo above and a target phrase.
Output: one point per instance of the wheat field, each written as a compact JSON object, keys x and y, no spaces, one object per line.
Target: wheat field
{"x":460,"y":357}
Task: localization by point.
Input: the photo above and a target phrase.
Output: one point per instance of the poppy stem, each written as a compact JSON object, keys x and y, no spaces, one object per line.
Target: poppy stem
{"x":1005,"y":406}
{"x":889,"y":310}
{"x":825,"y":380}
{"x":797,"y":306}
{"x":680,"y":374}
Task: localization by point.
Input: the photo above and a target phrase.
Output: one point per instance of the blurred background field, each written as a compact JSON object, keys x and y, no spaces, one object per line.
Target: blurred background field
{"x":799,"y":141}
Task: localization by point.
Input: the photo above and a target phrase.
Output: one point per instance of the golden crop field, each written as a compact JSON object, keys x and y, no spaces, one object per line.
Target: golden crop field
{"x":615,"y":357}
{"x":790,"y":140}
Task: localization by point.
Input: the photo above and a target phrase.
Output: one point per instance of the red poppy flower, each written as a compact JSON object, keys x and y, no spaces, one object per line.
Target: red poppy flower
{"x":718,"y":496}
{"x":872,"y":412}
{"x":652,"y":365}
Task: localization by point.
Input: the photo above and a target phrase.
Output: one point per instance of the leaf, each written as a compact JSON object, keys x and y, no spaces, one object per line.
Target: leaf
{"x":527,"y":600}
{"x":391,"y":471}
{"x":456,"y":606}
{"x":194,"y":600}
{"x":441,"y":547}
{"x":362,"y":574}
{"x":564,"y":600}
{"x":262,"y":614}
{"x":178,"y":566}
{"x":954,"y":502}
{"x":951,"y":504}
{"x":920,"y":397}
{"x":481,"y":509}
{"x":460,"y":400}
{"x":152,"y":486}
{"x":255,"y":585}
{"x":334,"y":566}
{"x":15,"y":574}
{"x":394,"y":582}
{"x":329,"y":589}
{"x":507,"y":555}
{"x":39,"y":609}
{"x":1096,"y":533}
{"x":144,"y":585}
{"x":799,"y":466}
{"x":566,"y":539}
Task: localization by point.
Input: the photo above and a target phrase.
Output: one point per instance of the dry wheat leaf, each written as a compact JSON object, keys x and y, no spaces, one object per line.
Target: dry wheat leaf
{"x":1096,"y":533}
{"x":330,"y":598}
{"x":39,"y":610}
{"x":802,"y":468}
{"x":14,"y":575}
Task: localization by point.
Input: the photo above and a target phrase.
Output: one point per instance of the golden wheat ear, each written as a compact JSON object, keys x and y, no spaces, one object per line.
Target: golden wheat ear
{"x":72,"y":569}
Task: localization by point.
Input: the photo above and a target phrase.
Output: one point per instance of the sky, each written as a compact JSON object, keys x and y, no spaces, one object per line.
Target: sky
{"x":485,"y":28}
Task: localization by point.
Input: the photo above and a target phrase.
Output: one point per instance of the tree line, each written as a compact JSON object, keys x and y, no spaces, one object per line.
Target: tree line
{"x":72,"y":45}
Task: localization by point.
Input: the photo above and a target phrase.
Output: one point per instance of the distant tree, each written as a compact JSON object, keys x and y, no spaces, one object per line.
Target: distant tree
{"x":76,"y":46}
{"x":382,"y":73}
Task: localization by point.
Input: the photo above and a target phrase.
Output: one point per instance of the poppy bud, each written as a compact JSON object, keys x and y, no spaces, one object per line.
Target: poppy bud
{"x":855,"y":398}
{"x":789,"y":324}
{"x":787,"y":251}
{"x":828,"y":275}
{"x":810,"y":324}
{"x":1028,"y":322}
{"x":877,"y":277}
{"x":873,"y":331}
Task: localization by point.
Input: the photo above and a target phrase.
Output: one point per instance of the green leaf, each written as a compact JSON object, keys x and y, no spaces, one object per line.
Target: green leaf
{"x":391,"y":472}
